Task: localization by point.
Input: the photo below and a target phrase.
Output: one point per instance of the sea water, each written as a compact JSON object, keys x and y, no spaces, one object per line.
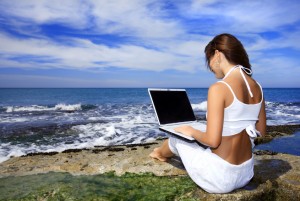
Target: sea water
{"x":46,"y":120}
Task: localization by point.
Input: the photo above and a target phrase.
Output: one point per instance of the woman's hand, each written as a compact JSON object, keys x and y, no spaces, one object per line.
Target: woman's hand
{"x":186,"y":130}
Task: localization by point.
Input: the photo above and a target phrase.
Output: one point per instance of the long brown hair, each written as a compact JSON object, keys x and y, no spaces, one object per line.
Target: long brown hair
{"x":231,"y":47}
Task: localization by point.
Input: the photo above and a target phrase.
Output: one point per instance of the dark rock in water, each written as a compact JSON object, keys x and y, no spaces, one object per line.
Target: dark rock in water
{"x":265,"y":152}
{"x":115,"y":149}
{"x":96,"y":151}
{"x":142,"y":145}
{"x":275,"y":132}
{"x":73,"y":150}
{"x":41,"y":154}
{"x":286,"y":129}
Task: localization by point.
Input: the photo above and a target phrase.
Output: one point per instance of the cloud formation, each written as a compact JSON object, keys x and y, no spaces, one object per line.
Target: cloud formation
{"x":148,"y":35}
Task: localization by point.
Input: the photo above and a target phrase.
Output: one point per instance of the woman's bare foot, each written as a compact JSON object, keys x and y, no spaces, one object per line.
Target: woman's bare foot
{"x":156,"y":154}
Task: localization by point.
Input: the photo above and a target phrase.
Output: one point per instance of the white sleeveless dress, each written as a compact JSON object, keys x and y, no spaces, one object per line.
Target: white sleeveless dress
{"x":208,"y":170}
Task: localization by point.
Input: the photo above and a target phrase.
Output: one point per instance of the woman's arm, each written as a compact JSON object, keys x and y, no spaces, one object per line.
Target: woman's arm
{"x":261,"y":124}
{"x":215,"y":115}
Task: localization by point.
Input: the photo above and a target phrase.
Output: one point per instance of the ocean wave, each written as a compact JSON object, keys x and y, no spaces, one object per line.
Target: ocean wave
{"x":40,"y":108}
{"x":32,"y":108}
{"x":83,"y":136}
{"x":282,"y":113}
{"x":282,"y":108}
{"x":98,"y":125}
{"x":65,"y":107}
{"x":200,"y":107}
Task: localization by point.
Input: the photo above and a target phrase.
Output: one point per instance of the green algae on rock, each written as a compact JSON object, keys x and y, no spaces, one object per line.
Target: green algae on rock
{"x":108,"y":186}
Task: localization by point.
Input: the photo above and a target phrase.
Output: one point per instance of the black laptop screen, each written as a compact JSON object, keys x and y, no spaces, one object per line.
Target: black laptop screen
{"x":172,"y":106}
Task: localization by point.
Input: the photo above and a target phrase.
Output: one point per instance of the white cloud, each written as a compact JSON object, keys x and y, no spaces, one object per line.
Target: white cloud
{"x":244,"y":16}
{"x":143,"y":20}
{"x":259,"y":16}
{"x":285,"y":39}
{"x":68,"y":12}
{"x":139,"y":18}
{"x":160,"y":39}
{"x":84,"y":54}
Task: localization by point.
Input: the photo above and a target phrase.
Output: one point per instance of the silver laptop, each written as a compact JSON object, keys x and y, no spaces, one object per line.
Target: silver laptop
{"x":173,"y":108}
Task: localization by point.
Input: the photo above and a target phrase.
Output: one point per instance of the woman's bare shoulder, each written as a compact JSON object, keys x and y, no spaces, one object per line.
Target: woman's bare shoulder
{"x":217,"y":89}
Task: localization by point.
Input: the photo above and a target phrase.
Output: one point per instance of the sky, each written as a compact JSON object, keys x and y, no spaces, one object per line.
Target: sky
{"x":142,"y":43}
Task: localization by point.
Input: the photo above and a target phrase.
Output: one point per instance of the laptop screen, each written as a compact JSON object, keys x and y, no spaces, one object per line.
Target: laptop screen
{"x":172,"y":106}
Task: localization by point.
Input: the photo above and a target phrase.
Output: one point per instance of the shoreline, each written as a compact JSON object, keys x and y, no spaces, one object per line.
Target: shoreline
{"x":276,"y":174}
{"x":277,"y":131}
{"x":78,"y":161}
{"x":273,"y":132}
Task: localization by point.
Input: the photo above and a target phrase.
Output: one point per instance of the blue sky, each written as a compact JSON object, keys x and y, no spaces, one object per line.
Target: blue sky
{"x":142,"y":43}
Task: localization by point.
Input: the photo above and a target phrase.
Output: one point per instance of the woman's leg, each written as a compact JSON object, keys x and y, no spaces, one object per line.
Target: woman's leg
{"x":163,"y":152}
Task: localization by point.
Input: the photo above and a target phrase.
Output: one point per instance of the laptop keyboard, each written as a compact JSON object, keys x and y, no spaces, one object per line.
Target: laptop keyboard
{"x":198,"y":126}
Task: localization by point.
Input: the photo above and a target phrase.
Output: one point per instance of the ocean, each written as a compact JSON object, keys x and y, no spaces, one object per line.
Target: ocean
{"x":54,"y":120}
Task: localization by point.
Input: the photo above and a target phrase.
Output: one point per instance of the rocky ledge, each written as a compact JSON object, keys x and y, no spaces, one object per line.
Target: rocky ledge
{"x":277,"y":176}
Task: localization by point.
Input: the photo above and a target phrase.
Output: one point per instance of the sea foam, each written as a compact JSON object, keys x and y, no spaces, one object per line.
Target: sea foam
{"x":39,"y":108}
{"x":200,"y":107}
{"x":105,"y":124}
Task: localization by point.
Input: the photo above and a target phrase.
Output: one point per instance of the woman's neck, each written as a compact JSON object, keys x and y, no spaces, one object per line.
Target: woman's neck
{"x":226,"y":69}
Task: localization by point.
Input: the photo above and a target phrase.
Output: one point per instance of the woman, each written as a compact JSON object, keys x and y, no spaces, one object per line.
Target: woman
{"x":235,"y":116}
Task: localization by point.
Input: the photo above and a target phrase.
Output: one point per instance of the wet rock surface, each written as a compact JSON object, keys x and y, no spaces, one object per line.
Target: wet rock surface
{"x":277,"y":176}
{"x":276,"y":132}
{"x":121,"y":159}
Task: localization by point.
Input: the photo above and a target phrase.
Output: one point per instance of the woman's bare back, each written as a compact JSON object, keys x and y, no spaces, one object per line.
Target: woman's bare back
{"x":237,"y":148}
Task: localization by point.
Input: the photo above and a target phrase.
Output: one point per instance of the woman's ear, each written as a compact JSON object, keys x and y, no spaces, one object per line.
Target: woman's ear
{"x":218,"y":54}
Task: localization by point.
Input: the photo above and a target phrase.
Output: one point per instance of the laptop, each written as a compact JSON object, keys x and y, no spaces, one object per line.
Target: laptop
{"x":173,"y":108}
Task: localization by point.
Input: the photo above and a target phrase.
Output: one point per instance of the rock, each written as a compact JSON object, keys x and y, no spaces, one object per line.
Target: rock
{"x":275,"y":132}
{"x":121,"y":159}
{"x":277,"y":176}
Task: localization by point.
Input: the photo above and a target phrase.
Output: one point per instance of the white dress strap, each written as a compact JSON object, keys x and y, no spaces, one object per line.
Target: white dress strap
{"x":228,"y":87}
{"x":249,"y":72}
{"x":262,"y":93}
